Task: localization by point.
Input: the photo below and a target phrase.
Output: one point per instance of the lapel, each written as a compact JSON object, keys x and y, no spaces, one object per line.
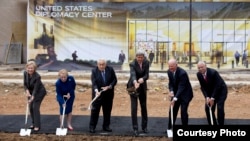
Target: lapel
{"x":172,"y":76}
{"x":175,"y":74}
{"x":31,"y":81}
{"x":202,"y":77}
{"x":105,"y":74}
{"x":207,"y":76}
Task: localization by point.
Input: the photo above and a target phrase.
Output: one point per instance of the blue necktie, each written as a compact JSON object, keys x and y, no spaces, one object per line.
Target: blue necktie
{"x":103,"y":76}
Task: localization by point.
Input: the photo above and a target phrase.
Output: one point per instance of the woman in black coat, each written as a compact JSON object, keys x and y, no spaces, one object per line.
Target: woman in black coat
{"x":35,"y":92}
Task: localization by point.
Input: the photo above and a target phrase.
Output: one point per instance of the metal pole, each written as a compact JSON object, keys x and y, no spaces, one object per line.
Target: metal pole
{"x":190,"y":36}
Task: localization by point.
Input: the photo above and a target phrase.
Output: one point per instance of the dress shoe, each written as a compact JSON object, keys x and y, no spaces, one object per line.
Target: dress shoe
{"x":31,"y":127}
{"x":92,"y":130}
{"x":70,"y":128}
{"x":107,"y":129}
{"x":136,"y":133}
{"x":35,"y":130}
{"x":145,"y":130}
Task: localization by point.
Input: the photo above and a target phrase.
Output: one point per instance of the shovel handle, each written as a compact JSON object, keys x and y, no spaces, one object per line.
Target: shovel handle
{"x":64,"y":108}
{"x":63,"y":116}
{"x":172,"y":115}
{"x":90,"y":104}
{"x":211,"y":116}
{"x":26,"y":113}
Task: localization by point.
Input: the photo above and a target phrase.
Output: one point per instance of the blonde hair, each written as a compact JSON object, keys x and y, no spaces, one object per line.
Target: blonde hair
{"x":31,"y":63}
{"x":63,"y":72}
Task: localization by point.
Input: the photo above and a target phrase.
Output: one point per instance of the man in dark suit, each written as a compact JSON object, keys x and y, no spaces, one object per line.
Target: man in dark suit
{"x":214,"y":90}
{"x":139,"y":74}
{"x":103,"y":79}
{"x":180,"y":92}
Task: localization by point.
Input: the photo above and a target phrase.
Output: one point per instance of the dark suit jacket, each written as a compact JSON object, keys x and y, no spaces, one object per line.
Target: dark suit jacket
{"x":34,"y":85}
{"x":215,"y":86}
{"x":180,"y":84}
{"x":97,"y":80}
{"x":136,"y":72}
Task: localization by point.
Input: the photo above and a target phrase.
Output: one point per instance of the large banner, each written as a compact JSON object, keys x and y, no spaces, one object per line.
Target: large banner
{"x":73,"y":35}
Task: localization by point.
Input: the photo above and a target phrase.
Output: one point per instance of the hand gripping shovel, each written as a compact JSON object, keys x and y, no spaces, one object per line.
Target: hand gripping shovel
{"x":90,"y":104}
{"x":170,"y":131}
{"x":62,"y":131}
{"x":25,"y":131}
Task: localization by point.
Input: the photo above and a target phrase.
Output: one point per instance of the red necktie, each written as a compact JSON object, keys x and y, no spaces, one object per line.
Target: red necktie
{"x":205,"y":77}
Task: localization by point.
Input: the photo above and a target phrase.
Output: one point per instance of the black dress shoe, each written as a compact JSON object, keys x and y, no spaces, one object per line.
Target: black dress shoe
{"x":31,"y":127}
{"x":107,"y":129}
{"x":92,"y":130}
{"x":145,"y":130}
{"x":136,"y":133}
{"x":35,"y":130}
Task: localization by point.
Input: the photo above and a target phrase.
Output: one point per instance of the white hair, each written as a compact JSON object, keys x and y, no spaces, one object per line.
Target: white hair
{"x":140,"y":52}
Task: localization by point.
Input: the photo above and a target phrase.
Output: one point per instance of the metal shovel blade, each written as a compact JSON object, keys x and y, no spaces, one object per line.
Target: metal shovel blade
{"x":61,"y":131}
{"x":170,"y":133}
{"x":25,"y":132}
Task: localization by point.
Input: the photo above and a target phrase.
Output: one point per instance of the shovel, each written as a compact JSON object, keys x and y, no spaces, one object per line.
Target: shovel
{"x":211,"y":116}
{"x":25,"y":131}
{"x":90,"y":104}
{"x":62,"y":131}
{"x":170,"y":131}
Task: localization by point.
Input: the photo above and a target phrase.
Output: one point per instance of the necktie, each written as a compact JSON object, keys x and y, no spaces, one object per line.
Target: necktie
{"x":174,"y":75}
{"x":140,"y":66}
{"x":103,"y":76}
{"x":205,"y":77}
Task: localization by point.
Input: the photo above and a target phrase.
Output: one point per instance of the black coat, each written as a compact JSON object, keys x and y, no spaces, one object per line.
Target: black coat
{"x":34,"y":85}
{"x":98,"y":82}
{"x":215,"y":86}
{"x":180,"y":84}
{"x":136,"y":72}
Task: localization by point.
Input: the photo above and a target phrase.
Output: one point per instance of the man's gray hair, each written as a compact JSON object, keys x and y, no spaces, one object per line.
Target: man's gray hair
{"x":140,"y":52}
{"x":102,"y":60}
{"x":202,"y":62}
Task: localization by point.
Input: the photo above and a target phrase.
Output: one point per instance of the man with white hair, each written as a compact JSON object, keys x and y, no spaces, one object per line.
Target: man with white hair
{"x":180,"y":92}
{"x":104,"y":80}
{"x":139,"y":74}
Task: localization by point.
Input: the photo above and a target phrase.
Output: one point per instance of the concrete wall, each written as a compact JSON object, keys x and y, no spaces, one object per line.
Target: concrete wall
{"x":13,"y":19}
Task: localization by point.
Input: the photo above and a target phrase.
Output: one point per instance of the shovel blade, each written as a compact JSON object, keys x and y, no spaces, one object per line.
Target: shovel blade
{"x":25,"y":132}
{"x":61,"y":131}
{"x":170,"y":133}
